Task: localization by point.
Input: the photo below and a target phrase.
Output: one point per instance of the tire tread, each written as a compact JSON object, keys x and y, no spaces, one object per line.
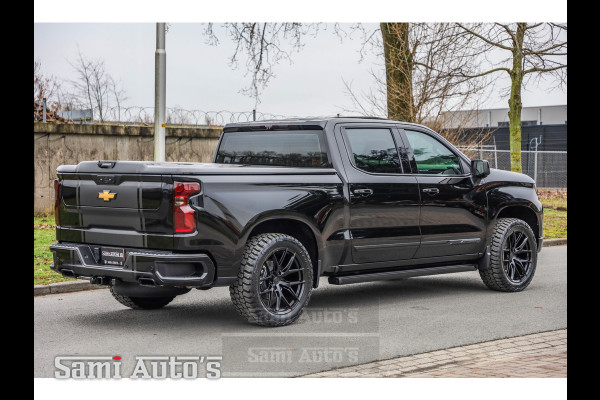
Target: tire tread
{"x":140,"y":303}
{"x":242,"y":295}
{"x":494,"y":277}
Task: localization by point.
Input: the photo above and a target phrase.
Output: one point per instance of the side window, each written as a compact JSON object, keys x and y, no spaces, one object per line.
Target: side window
{"x":431,"y":156}
{"x":374,"y":150}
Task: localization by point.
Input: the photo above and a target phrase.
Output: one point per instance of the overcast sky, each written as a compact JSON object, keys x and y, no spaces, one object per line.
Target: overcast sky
{"x":199,"y":76}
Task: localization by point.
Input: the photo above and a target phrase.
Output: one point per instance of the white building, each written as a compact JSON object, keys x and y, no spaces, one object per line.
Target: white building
{"x":498,"y":117}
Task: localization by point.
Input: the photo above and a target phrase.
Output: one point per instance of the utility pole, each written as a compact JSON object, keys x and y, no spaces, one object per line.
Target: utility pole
{"x":160,"y":91}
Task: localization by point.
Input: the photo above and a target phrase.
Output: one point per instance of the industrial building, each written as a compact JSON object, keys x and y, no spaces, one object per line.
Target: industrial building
{"x":498,"y":117}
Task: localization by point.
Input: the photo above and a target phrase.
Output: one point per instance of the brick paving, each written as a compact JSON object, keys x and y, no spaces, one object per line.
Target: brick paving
{"x":539,"y":355}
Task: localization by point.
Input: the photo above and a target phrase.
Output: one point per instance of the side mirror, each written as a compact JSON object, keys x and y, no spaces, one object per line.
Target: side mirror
{"x":480,"y":168}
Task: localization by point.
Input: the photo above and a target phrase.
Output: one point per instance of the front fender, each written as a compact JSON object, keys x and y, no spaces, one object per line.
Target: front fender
{"x":513,"y":200}
{"x":503,"y":197}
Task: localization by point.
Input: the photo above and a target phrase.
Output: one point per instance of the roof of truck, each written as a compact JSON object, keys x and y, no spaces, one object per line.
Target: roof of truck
{"x":302,"y":123}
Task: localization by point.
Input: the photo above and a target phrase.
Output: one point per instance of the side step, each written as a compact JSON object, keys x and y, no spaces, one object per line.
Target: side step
{"x":407,"y":273}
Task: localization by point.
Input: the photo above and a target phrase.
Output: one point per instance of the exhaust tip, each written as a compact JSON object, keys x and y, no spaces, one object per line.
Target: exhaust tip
{"x":68,"y":273}
{"x":147,"y":282}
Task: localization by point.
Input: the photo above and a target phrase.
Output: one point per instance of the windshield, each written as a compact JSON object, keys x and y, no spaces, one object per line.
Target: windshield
{"x":296,"y":148}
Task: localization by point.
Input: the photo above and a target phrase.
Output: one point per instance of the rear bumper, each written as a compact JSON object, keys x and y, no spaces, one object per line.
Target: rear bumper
{"x":146,"y":267}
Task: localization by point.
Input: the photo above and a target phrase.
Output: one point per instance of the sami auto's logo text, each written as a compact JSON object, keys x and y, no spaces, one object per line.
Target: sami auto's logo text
{"x":146,"y":367}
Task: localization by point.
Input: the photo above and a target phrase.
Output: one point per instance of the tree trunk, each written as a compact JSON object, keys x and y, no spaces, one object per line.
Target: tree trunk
{"x":514,"y":102}
{"x":398,"y":71}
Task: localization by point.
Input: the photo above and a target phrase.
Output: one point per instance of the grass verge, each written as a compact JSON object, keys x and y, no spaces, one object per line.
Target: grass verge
{"x":44,"y":235}
{"x":555,"y":212}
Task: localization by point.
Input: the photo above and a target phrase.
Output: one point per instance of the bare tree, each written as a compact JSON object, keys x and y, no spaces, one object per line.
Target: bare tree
{"x":413,"y":88}
{"x":421,"y":81}
{"x":48,"y":87}
{"x":265,"y":45}
{"x":399,"y":65}
{"x":68,"y":100}
{"x":533,"y":51}
{"x":83,"y":82}
{"x":92,"y":84}
{"x":118,"y":93}
{"x":93,"y":87}
{"x":44,"y":87}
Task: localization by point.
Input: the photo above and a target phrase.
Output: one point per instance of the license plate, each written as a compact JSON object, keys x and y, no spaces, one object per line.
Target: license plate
{"x":113,"y":256}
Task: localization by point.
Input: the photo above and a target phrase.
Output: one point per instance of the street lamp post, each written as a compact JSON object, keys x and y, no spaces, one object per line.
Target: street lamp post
{"x":160,"y":89}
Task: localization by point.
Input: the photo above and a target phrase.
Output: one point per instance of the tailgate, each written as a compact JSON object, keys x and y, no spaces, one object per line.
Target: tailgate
{"x":118,"y":209}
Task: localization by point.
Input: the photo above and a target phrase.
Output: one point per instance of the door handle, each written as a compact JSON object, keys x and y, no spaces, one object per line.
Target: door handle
{"x":431,"y":190}
{"x":364,"y":192}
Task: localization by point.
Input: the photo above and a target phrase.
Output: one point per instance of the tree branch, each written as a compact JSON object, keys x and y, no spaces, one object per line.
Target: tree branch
{"x":537,"y":69}
{"x":491,"y":43}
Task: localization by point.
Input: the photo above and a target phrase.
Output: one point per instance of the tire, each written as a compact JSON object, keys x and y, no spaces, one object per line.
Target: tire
{"x":142,"y":303}
{"x":276,"y":269}
{"x":513,"y":256}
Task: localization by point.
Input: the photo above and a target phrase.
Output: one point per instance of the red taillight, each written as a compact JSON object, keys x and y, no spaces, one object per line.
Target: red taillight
{"x":184,"y":216}
{"x":57,"y":202}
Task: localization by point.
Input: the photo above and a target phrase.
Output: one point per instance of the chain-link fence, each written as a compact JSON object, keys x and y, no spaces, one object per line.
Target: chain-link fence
{"x":547,"y":168}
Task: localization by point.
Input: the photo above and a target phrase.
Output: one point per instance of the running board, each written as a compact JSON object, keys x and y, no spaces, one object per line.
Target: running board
{"x":407,"y":273}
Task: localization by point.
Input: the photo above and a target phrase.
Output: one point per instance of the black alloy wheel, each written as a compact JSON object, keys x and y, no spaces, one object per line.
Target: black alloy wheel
{"x":275,"y":280}
{"x":516,"y":257}
{"x":281,"y":281}
{"x":513,"y":256}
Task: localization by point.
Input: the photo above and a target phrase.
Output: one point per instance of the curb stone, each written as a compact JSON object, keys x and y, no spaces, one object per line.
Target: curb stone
{"x":39,"y":290}
{"x":65,"y":287}
{"x":554,"y":242}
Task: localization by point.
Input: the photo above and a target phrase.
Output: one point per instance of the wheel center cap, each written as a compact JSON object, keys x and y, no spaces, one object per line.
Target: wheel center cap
{"x":276,"y":280}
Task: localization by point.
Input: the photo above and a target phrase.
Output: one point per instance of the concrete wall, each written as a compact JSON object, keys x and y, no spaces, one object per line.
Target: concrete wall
{"x":57,"y":144}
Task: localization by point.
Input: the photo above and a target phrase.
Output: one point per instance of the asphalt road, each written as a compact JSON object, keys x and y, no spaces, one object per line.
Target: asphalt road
{"x":343,"y":325}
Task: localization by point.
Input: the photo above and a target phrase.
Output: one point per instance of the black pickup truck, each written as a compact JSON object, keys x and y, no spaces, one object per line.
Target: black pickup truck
{"x":286,"y":202}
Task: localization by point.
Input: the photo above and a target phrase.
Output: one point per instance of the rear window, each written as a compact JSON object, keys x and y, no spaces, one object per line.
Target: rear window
{"x":296,"y":148}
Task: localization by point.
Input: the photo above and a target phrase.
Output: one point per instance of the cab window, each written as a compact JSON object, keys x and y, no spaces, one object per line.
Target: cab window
{"x":374,"y":150}
{"x":432,"y":156}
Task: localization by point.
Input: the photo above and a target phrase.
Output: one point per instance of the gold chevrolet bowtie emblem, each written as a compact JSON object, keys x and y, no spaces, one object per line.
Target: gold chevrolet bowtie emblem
{"x":106,"y":195}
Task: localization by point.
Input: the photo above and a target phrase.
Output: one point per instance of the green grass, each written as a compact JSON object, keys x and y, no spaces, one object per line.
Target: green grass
{"x":44,"y":236}
{"x":555,"y":213}
{"x":555,"y":224}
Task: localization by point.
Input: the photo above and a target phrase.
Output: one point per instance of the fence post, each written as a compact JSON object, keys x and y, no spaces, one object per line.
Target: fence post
{"x":496,"y":158}
{"x":253,"y":115}
{"x":535,"y":165}
{"x":44,"y":110}
{"x":495,"y":153}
